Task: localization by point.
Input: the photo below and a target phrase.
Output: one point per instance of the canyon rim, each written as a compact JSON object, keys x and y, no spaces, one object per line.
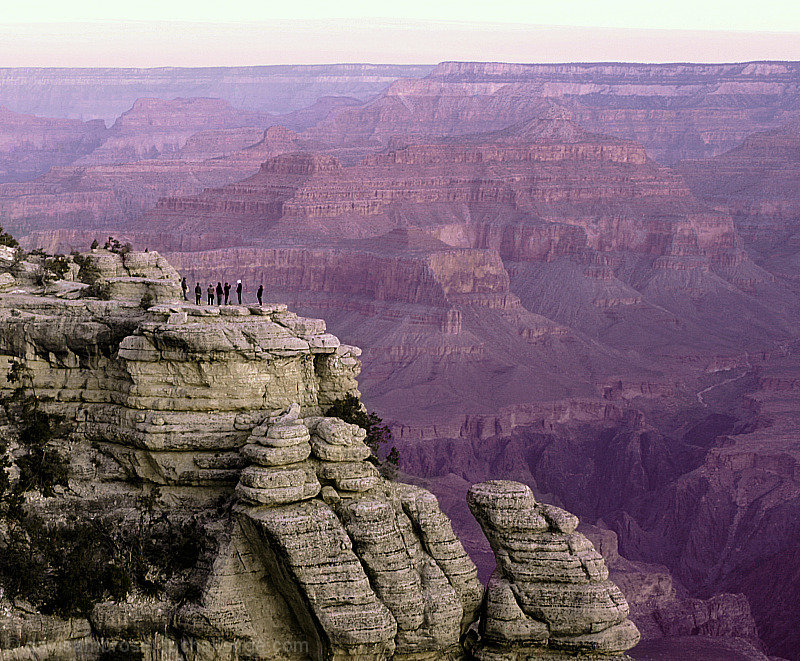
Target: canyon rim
{"x":513,"y":373}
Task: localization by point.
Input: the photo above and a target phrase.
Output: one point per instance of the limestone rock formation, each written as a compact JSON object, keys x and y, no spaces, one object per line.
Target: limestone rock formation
{"x":550,"y":595}
{"x":376,"y":564}
{"x":211,"y":402}
{"x":131,"y":275}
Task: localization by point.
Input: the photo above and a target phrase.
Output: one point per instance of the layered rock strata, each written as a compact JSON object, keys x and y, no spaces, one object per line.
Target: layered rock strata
{"x":550,"y":594}
{"x":676,"y":110}
{"x":175,"y":390}
{"x":279,"y":473}
{"x":375,"y":564}
{"x":29,"y":146}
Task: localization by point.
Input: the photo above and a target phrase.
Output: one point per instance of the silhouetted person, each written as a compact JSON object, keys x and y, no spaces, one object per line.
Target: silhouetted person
{"x":260,"y":293}
{"x":239,"y":291}
{"x":198,"y":292}
{"x":185,"y":289}
{"x":227,"y":290}
{"x":219,"y":293}
{"x":210,"y":294}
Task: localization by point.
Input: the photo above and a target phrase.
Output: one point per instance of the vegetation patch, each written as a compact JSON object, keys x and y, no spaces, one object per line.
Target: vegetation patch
{"x":379,"y":436}
{"x":64,"y":567}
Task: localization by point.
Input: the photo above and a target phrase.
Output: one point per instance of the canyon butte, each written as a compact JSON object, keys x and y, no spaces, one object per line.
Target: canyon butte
{"x":578,"y":278}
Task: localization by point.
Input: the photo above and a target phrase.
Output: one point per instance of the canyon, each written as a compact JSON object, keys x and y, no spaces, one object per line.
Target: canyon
{"x":308,"y":551}
{"x":578,"y":277}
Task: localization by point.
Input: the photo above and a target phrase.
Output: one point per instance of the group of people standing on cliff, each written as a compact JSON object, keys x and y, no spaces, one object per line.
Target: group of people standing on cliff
{"x":222,"y":293}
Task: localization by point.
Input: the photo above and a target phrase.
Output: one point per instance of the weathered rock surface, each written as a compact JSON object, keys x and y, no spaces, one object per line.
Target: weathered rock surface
{"x":154,"y":384}
{"x":376,"y":564}
{"x":550,"y":593}
{"x":185,"y":397}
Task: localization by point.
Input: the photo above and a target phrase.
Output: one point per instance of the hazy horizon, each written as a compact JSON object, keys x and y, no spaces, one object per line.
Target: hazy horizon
{"x":155,"y":44}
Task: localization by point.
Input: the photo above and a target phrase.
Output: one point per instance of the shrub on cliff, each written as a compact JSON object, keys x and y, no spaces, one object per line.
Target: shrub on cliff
{"x":40,"y":466}
{"x":66,"y":567}
{"x":58,"y":266}
{"x":7,"y":240}
{"x":350,"y":409}
{"x":89,"y":274}
{"x":51,"y":269}
{"x":118,"y":247}
{"x":147,"y":301}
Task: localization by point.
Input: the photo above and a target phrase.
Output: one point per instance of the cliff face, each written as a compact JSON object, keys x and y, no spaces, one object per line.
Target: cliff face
{"x":29,"y":146}
{"x":129,"y":174}
{"x":154,"y":128}
{"x":675,"y":111}
{"x":313,"y":553}
{"x":757,"y":184}
{"x":537,"y":182}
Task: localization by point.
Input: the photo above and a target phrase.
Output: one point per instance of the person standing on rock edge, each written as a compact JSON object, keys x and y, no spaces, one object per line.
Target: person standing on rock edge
{"x":259,"y":294}
{"x":219,"y":293}
{"x":210,"y":294}
{"x":185,"y":288}
{"x":239,"y":291}
{"x":227,"y":291}
{"x":198,"y":292}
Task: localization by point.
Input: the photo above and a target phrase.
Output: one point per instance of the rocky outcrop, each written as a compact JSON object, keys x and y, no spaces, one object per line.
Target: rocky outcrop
{"x":133,"y":276}
{"x":399,"y":599}
{"x":116,"y":366}
{"x":376,"y":565}
{"x":550,"y":595}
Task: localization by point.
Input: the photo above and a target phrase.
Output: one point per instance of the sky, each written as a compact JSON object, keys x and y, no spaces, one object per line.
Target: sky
{"x":148,"y":33}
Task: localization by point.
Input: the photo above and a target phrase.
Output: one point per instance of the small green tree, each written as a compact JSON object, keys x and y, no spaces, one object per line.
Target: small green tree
{"x":379,"y":436}
{"x":114,"y":245}
{"x":58,"y":266}
{"x":89,"y":273}
{"x":52,"y":269}
{"x":16,"y":266}
{"x":391,"y":465}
